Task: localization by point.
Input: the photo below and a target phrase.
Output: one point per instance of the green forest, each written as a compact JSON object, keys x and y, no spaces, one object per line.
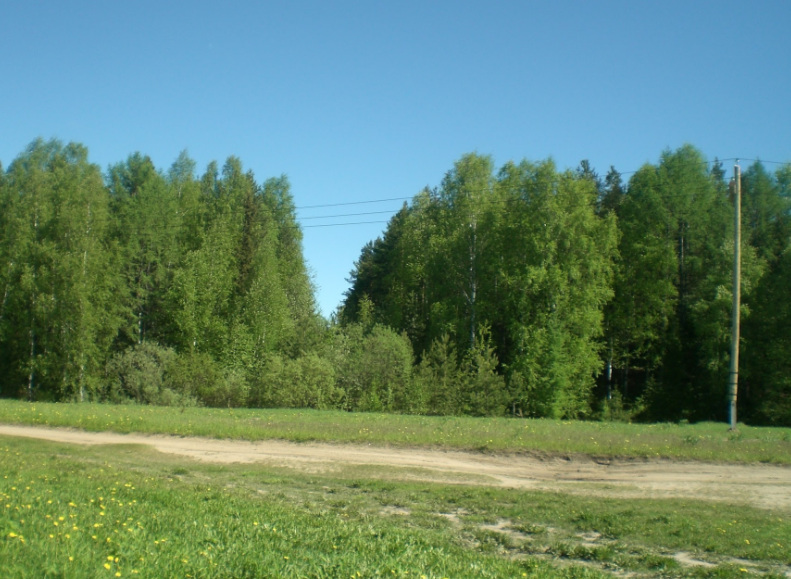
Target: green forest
{"x":524,"y":290}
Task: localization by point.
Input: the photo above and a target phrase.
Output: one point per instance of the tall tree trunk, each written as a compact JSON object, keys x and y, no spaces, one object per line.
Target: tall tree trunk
{"x":626,"y":378}
{"x":82,"y":382}
{"x":32,"y":375}
{"x":473,"y":281}
{"x":5,"y":299}
{"x":682,"y":286}
{"x":609,"y":372}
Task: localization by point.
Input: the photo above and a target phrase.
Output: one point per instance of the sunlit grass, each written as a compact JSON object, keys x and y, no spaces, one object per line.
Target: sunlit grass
{"x":124,"y":511}
{"x":704,"y":441}
{"x":70,"y":518}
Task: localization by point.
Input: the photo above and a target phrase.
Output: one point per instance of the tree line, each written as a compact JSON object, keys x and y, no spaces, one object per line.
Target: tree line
{"x":144,"y":285}
{"x":525,"y":290}
{"x":593,"y":296}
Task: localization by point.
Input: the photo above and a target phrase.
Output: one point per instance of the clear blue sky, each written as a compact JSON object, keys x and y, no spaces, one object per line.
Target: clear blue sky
{"x":357,"y":101}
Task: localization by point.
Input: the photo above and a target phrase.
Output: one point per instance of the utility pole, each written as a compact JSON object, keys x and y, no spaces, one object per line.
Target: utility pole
{"x":733,"y":380}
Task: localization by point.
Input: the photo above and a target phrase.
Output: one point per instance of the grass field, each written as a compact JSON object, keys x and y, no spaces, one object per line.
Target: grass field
{"x":705,"y":441}
{"x":128,"y":511}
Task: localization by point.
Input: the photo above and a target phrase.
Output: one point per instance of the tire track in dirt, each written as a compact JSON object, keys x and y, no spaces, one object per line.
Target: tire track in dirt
{"x":761,"y":485}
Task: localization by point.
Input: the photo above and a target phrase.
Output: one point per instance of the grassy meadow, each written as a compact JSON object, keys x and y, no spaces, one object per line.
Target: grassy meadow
{"x":703,"y":441}
{"x":129,"y":511}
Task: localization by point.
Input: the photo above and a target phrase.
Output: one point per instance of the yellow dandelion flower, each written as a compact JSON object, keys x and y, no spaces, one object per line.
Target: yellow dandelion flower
{"x":107,"y":565}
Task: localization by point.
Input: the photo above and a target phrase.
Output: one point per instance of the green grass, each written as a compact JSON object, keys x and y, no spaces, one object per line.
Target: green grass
{"x":83,"y":516}
{"x":74,"y":512}
{"x":704,"y":441}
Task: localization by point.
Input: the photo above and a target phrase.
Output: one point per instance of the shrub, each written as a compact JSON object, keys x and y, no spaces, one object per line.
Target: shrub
{"x":440,"y":378}
{"x":376,"y":374}
{"x":199,"y":375}
{"x":141,"y":374}
{"x":304,"y":382}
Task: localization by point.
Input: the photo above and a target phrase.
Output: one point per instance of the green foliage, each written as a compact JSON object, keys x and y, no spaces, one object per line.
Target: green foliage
{"x":304,"y":382}
{"x":59,"y":311}
{"x":471,"y":385}
{"x":441,"y":379}
{"x":210,"y":268}
{"x":668,"y":325}
{"x":147,"y":374}
{"x":522,"y":253}
{"x":766,"y":211}
{"x":616,"y":409}
{"x":567,"y":273}
{"x":484,"y":393}
{"x":376,"y":371}
{"x":768,"y":368}
{"x":202,"y":377}
{"x":765,"y":395}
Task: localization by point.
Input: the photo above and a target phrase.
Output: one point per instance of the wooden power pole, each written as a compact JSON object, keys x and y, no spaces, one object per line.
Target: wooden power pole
{"x":733,"y":380}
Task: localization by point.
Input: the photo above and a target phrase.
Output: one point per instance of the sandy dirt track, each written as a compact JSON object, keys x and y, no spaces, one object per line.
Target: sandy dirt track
{"x":765,"y":486}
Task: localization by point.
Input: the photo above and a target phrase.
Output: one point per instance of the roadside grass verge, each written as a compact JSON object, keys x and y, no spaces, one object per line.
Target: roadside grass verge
{"x":704,"y":441}
{"x":129,"y":511}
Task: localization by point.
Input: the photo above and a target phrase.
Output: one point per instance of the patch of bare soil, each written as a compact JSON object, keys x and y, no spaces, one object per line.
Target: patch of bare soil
{"x":765,"y":486}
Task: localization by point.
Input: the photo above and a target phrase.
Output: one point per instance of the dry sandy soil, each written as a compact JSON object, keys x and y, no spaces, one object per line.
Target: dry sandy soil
{"x":765,"y":486}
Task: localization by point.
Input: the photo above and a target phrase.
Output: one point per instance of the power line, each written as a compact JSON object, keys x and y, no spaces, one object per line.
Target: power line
{"x":180,"y":226}
{"x":348,"y":214}
{"x":354,"y":203}
{"x":339,"y":224}
{"x":490,"y":188}
{"x":761,"y":161}
{"x":469,"y":190}
{"x":696,"y":163}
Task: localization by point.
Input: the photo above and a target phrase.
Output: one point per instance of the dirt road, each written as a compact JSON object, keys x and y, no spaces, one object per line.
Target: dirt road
{"x":764,"y":486}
